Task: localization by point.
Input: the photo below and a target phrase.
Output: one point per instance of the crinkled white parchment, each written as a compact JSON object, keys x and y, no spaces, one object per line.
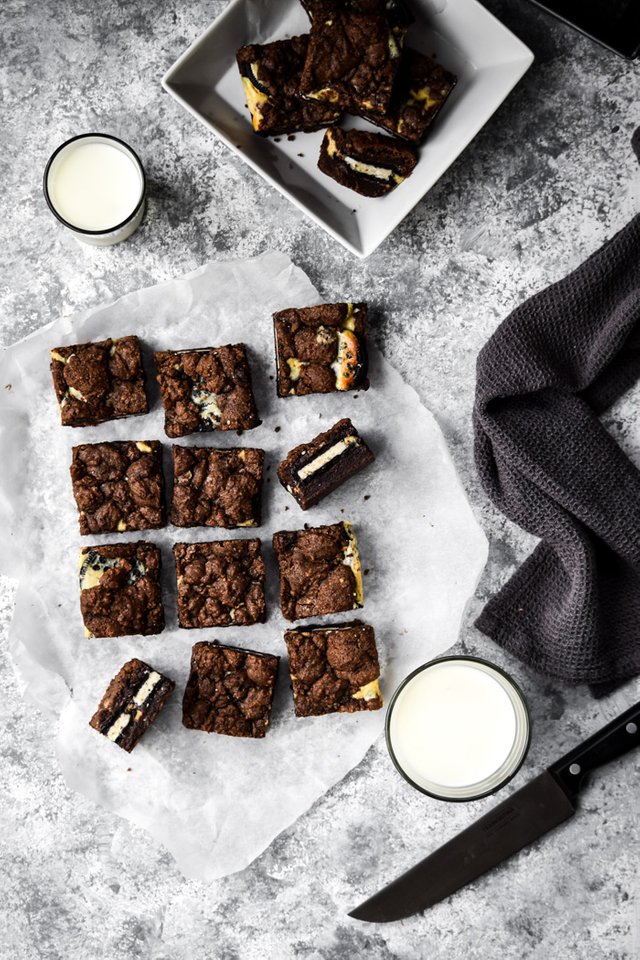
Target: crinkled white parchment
{"x":216,"y":802}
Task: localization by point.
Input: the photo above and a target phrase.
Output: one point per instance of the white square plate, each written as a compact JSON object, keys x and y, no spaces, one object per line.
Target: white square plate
{"x":486,"y":57}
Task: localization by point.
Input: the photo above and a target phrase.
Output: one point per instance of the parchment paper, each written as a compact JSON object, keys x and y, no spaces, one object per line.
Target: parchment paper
{"x":216,"y":802}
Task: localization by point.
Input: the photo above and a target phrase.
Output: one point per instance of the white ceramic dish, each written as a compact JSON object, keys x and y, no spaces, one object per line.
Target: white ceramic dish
{"x":487,"y":59}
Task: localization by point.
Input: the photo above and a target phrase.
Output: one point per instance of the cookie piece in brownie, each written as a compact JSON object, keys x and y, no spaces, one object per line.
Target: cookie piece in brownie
{"x":131,"y":703}
{"x":421,"y":90}
{"x":334,"y":669}
{"x":313,"y":470}
{"x":353,"y":56}
{"x":120,"y":589}
{"x":99,"y":381}
{"x":321,"y":349}
{"x":319,"y":570}
{"x":371,"y":164}
{"x":206,"y":389}
{"x":118,"y":486}
{"x":217,"y":488}
{"x":220,"y":583}
{"x":229,"y":690}
{"x":270,"y":76}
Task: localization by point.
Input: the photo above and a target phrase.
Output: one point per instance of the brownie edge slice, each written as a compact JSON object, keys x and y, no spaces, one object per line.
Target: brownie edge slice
{"x":229,"y":690}
{"x":371,"y":164}
{"x":334,"y":669}
{"x":131,"y":703}
{"x":313,"y":470}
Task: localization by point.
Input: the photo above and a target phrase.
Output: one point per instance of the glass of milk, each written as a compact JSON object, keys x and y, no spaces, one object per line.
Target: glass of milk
{"x":458,"y":728}
{"x":95,"y":185}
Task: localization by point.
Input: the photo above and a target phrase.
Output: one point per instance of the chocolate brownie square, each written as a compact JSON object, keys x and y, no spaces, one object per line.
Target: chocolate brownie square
{"x":321,"y":349}
{"x":132,"y":701}
{"x":217,"y":488}
{"x":118,"y":486}
{"x":120,"y":589}
{"x":99,"y":381}
{"x":206,"y":389}
{"x":319,"y":570}
{"x":229,"y":691}
{"x":270,"y":76}
{"x":353,"y":56}
{"x":220,"y":583}
{"x":313,"y":470}
{"x":334,"y":669}
{"x":371,"y":164}
{"x":420,"y":93}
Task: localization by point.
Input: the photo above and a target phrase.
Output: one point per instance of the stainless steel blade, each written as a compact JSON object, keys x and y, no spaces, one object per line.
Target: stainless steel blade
{"x":516,"y":822}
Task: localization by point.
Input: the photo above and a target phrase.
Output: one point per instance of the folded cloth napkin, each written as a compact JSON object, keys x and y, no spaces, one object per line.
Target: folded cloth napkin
{"x":572,"y":610}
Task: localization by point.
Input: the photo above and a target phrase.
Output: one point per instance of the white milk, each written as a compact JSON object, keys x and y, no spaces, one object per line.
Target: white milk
{"x":94,"y":184}
{"x":455,"y":724}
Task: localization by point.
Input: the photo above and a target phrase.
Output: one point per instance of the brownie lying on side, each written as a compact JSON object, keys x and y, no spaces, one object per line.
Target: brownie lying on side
{"x":354,"y":54}
{"x":220,"y":583}
{"x":270,"y":76}
{"x":229,"y":691}
{"x":131,"y":703}
{"x":118,"y":486}
{"x":120,"y":590}
{"x":312,"y":470}
{"x":319,"y":570}
{"x":217,"y":488}
{"x":421,"y":90}
{"x":368,"y":163}
{"x":334,"y":669}
{"x":99,"y":381}
{"x":321,"y":349}
{"x":206,"y":389}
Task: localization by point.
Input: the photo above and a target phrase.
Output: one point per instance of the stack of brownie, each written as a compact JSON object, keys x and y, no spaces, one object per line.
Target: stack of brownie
{"x":119,"y":487}
{"x":353,"y":61}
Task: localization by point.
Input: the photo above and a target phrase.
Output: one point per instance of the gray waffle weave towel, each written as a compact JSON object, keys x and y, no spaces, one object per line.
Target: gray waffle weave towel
{"x":572,"y":610}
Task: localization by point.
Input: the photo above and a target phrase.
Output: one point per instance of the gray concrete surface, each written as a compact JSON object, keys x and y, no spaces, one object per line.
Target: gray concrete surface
{"x":549,"y":178}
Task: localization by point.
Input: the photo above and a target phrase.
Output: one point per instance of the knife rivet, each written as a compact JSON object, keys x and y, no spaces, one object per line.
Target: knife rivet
{"x":631,"y":728}
{"x":575,"y":769}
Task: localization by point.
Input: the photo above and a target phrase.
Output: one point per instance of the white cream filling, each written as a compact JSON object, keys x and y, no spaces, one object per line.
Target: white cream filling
{"x":351,"y":559}
{"x":208,"y":405}
{"x":152,"y":681}
{"x":116,"y":728}
{"x":320,"y":461}
{"x":380,"y":173}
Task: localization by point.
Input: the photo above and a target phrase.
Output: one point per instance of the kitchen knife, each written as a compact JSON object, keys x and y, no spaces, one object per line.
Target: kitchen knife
{"x":530,"y":812}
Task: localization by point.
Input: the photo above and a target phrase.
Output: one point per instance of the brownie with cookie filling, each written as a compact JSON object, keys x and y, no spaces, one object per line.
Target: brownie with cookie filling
{"x":120,"y":589}
{"x":131,"y":703}
{"x":370,"y":164}
{"x":217,"y":488}
{"x":220,"y":583}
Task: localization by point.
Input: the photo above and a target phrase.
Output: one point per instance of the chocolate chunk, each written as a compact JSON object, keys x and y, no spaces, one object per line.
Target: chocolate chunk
{"x":312,"y":470}
{"x":368,"y":163}
{"x":131,"y":703}
{"x":206,"y":389}
{"x":118,"y":486}
{"x":229,"y":691}
{"x":334,"y":669}
{"x":220,"y":583}
{"x":120,"y":589}
{"x":321,"y":349}
{"x":217,"y":488}
{"x":99,"y":381}
{"x":319,"y":570}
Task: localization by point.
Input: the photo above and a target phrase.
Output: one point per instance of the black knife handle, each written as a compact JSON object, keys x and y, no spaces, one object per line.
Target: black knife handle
{"x":612,"y":741}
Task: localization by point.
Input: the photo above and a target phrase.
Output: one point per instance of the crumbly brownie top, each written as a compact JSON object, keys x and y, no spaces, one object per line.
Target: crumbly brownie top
{"x":131,"y":703}
{"x":118,"y":486}
{"x":321,"y":349}
{"x":319,"y":570}
{"x":220,"y":583}
{"x":369,"y":163}
{"x":99,"y":381}
{"x":229,"y":691}
{"x":270,"y":77}
{"x":334,"y":669}
{"x":120,"y":589}
{"x":216,"y":488}
{"x":206,"y":389}
{"x":354,"y":53}
{"x":421,"y":90}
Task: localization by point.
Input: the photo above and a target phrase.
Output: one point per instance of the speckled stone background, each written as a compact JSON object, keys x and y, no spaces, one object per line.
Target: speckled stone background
{"x":550,"y":177}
